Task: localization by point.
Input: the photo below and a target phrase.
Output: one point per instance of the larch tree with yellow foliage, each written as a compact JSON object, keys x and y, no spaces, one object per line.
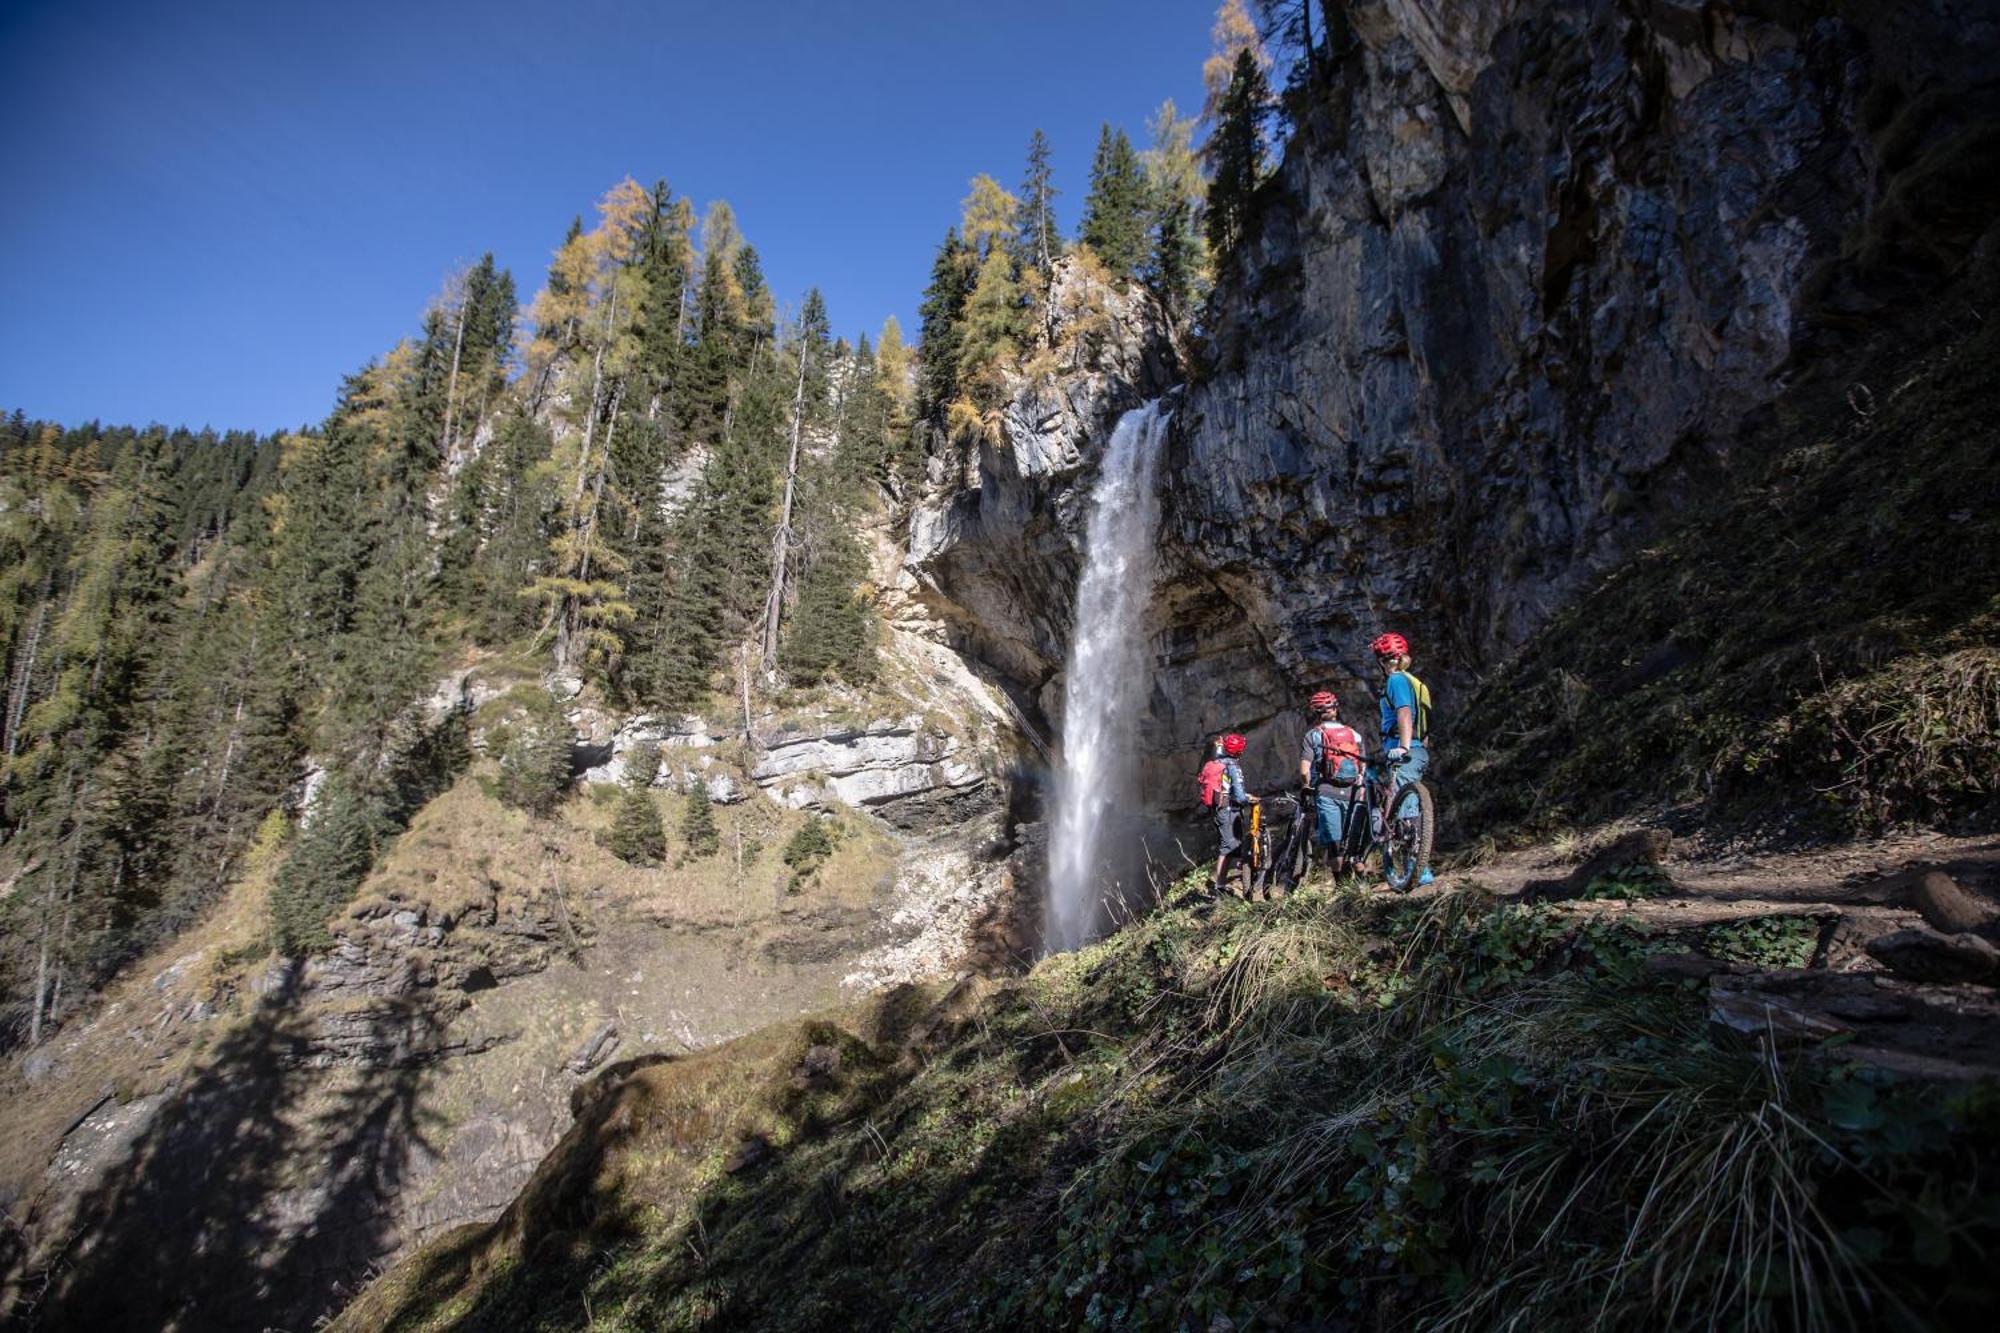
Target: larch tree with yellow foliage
{"x":585,"y":602}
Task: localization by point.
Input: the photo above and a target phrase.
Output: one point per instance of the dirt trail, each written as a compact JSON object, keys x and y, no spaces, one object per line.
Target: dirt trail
{"x":1904,"y":971}
{"x":1878,"y":872}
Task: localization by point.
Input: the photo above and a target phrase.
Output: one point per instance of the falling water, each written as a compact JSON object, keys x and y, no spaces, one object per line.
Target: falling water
{"x":1110,"y":676}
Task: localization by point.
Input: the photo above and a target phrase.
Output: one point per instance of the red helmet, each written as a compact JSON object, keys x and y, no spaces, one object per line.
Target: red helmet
{"x":1322,"y":701}
{"x":1387,"y":644}
{"x":1232,"y":744}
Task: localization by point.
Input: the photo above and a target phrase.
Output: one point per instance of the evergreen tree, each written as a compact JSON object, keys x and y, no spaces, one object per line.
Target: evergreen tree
{"x":811,"y":342}
{"x":335,"y":848}
{"x":497,"y":540}
{"x":535,"y":766}
{"x":637,"y":835}
{"x":1037,"y":240}
{"x":760,"y":312}
{"x":940,"y":312}
{"x":698,"y":828}
{"x":1236,"y":157}
{"x":806,"y":849}
{"x":1114,"y":213}
{"x":665,"y":271}
{"x":1177,"y":268}
{"x":831,"y":629}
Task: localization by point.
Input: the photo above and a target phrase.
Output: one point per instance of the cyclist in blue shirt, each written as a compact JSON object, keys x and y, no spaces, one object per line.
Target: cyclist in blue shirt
{"x":1231,"y":801}
{"x":1406,"y":707}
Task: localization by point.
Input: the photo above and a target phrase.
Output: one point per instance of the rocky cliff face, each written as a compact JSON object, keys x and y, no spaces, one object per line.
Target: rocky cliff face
{"x":1527,"y":274}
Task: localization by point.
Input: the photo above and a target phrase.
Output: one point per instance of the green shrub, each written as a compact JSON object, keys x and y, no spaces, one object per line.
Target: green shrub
{"x":698,"y":828}
{"x":806,"y":849}
{"x":535,"y":757}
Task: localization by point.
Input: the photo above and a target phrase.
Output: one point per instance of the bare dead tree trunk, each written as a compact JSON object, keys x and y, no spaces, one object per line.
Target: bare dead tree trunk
{"x":49,"y":946}
{"x":42,"y":963}
{"x":451,"y":384}
{"x":24,"y":675}
{"x":782,"y":541}
{"x":597,"y":486}
{"x":566,"y":622}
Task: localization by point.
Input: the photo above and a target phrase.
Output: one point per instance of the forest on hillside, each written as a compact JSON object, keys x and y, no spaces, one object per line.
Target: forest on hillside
{"x":652,"y":476}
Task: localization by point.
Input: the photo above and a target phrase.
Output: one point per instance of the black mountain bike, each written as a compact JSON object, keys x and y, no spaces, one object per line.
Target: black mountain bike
{"x":1399,"y":823}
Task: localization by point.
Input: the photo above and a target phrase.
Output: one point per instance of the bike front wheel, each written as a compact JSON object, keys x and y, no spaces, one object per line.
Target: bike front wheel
{"x":1406,"y":836}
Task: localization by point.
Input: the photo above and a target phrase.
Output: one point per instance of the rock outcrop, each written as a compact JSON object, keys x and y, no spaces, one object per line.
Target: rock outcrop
{"x":908,"y":773}
{"x":1528,"y":275}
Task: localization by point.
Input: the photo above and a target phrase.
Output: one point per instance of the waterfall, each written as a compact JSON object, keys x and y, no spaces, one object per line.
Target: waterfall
{"x":1109,"y":678}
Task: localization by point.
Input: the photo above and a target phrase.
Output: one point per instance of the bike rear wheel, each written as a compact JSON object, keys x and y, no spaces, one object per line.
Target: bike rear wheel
{"x":1406,"y":836}
{"x":1294,"y":860}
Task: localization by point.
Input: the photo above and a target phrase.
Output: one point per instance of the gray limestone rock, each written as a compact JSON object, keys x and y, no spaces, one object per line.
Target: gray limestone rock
{"x":1526,"y":275}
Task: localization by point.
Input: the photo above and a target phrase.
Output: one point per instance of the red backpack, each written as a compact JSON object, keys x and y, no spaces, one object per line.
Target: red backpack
{"x":1339,"y":755}
{"x":1214,"y":777}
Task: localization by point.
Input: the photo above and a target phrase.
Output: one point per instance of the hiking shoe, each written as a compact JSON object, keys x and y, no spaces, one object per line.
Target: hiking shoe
{"x":1425,"y":878}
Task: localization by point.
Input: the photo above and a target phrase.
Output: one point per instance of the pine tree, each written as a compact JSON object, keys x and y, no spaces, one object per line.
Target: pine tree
{"x":1177,"y":267}
{"x":637,"y":835}
{"x":1114,"y":213}
{"x":760,"y":311}
{"x":831,"y":630}
{"x":1037,"y":240}
{"x":698,"y":828}
{"x":940,"y":312}
{"x":334,"y":851}
{"x":1236,"y":157}
{"x":806,"y":849}
{"x":535,"y":769}
{"x":812,"y":343}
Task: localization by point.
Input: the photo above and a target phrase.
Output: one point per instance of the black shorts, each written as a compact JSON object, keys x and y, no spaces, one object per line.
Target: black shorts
{"x":1228,"y":837}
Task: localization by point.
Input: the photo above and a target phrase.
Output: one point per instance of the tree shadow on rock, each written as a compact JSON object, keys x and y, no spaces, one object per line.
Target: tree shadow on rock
{"x":261,"y":1187}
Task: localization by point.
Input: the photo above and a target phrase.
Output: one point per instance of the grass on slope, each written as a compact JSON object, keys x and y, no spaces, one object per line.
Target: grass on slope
{"x":1336,"y":1111}
{"x":1824,"y":634}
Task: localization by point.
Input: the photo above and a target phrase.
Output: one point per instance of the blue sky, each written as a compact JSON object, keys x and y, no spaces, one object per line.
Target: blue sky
{"x":214,"y":210}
